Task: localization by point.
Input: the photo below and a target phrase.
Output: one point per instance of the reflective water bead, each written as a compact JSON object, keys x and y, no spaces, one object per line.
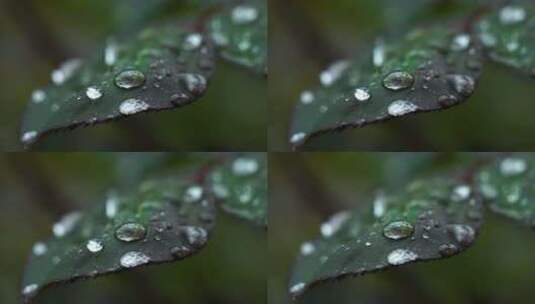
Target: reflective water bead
{"x":307,"y":248}
{"x":38,"y":96}
{"x":193,"y":194}
{"x":245,"y":166}
{"x":39,"y":248}
{"x":29,"y":137}
{"x":93,"y":93}
{"x":65,"y":71}
{"x":398,"y":230}
{"x":362,"y":94}
{"x":192,"y":41}
{"x":29,"y":290}
{"x":462,"y":84}
{"x":298,"y":138}
{"x":401,"y":256}
{"x":397,"y":81}
{"x":133,"y":259}
{"x":194,"y":83}
{"x":243,"y":14}
{"x":333,"y":73}
{"x":401,"y":107}
{"x":512,"y":15}
{"x":94,"y":245}
{"x":133,"y":106}
{"x":461,"y":193}
{"x":461,"y":42}
{"x":196,"y":236}
{"x":464,"y":234}
{"x":334,"y":223}
{"x":129,"y":79}
{"x":111,"y":53}
{"x":297,"y":289}
{"x":66,"y":224}
{"x":307,"y":97}
{"x":130,"y":232}
{"x":379,"y":53}
{"x":513,"y":166}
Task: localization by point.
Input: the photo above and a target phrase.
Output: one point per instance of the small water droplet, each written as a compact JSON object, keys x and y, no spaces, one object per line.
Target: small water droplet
{"x":194,"y":83}
{"x":195,"y":236}
{"x":93,"y":93}
{"x":29,"y":137}
{"x":38,"y":96}
{"x":111,"y":53}
{"x":461,"y":42}
{"x":379,"y":205}
{"x":130,"y":232}
{"x":447,"y":250}
{"x":464,"y":234}
{"x":462,"y":84}
{"x":513,"y":166}
{"x":192,"y":41}
{"x":401,"y":107}
{"x":243,"y":14}
{"x":66,"y":224}
{"x":65,"y":71}
{"x":297,"y":289}
{"x":461,"y":193}
{"x":245,"y":166}
{"x":379,"y":53}
{"x":334,"y":223}
{"x":133,"y":259}
{"x":398,"y":81}
{"x":39,"y":248}
{"x":401,"y":256}
{"x":129,"y":79}
{"x":512,"y":14}
{"x":398,"y":230}
{"x":112,"y":206}
{"x":307,"y":248}
{"x":94,"y":245}
{"x":193,"y":194}
{"x":133,"y":106}
{"x":298,"y":138}
{"x":362,"y":94}
{"x":30,"y":290}
{"x":307,"y":97}
{"x":333,"y":73}
{"x":180,"y":251}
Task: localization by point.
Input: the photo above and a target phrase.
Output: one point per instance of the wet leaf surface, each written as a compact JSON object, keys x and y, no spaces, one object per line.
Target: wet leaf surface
{"x":163,"y":221}
{"x":240,"y":32}
{"x":507,"y":187}
{"x":241,"y":187}
{"x":427,"y":220}
{"x":426,"y":70}
{"x":507,"y":34}
{"x":160,"y":68}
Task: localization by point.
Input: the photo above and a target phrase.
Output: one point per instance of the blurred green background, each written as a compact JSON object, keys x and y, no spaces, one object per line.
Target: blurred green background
{"x":305,"y":36}
{"x":306,"y":188}
{"x":37,"y":187}
{"x":35,"y":36}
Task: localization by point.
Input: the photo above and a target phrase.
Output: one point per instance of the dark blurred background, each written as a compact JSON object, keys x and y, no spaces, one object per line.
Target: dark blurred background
{"x":36,"y":36}
{"x":37,"y":188}
{"x":306,"y":188}
{"x":305,"y":36}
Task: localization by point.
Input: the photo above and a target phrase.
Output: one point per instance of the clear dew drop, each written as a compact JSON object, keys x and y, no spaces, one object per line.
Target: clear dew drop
{"x":333,"y":224}
{"x":133,"y":259}
{"x":461,"y":42}
{"x":512,"y":14}
{"x":243,"y":14}
{"x":333,"y":73}
{"x":307,"y":248}
{"x":30,"y":290}
{"x":398,"y":230}
{"x":397,"y":81}
{"x":133,"y":106}
{"x":298,"y":138}
{"x":194,"y":83}
{"x":193,"y":194}
{"x":65,"y":71}
{"x":297,"y":289}
{"x":513,"y":166}
{"x":192,"y":42}
{"x":461,"y":193}
{"x":307,"y":97}
{"x":66,"y":224}
{"x":29,"y":137}
{"x":362,"y":94}
{"x":401,"y":107}
{"x":130,"y":232}
{"x":39,"y":249}
{"x":94,"y":245}
{"x":129,"y":79}
{"x":463,"y":234}
{"x":245,"y":166}
{"x":38,"y":96}
{"x":401,"y":256}
{"x":93,"y":93}
{"x":462,"y":84}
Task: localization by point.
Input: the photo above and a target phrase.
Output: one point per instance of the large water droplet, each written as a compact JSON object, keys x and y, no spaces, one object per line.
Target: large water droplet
{"x":362,"y":94}
{"x":129,"y":79}
{"x":133,"y":259}
{"x":243,"y":14}
{"x":130,"y":232}
{"x":398,"y":81}
{"x":398,"y":230}
{"x":513,"y":166}
{"x":401,"y":256}
{"x":401,"y":107}
{"x":66,"y":224}
{"x":39,"y":248}
{"x":512,"y":14}
{"x":94,"y":245}
{"x":245,"y":166}
{"x":93,"y":93}
{"x":133,"y":106}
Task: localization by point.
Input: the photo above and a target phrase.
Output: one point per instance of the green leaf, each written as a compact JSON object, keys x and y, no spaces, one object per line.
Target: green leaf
{"x":426,"y":70}
{"x":508,"y":35}
{"x":427,"y":220}
{"x":162,"y":221}
{"x":160,"y":68}
{"x":241,"y":186}
{"x":240,"y":32}
{"x":507,"y":187}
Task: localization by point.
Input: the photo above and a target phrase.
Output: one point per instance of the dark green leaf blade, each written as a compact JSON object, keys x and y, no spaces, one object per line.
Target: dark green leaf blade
{"x":160,"y":68}
{"x":427,"y":220}
{"x":241,"y":186}
{"x":426,"y":70}
{"x":240,"y":32}
{"x":507,"y":187}
{"x":507,"y":35}
{"x":163,"y":221}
